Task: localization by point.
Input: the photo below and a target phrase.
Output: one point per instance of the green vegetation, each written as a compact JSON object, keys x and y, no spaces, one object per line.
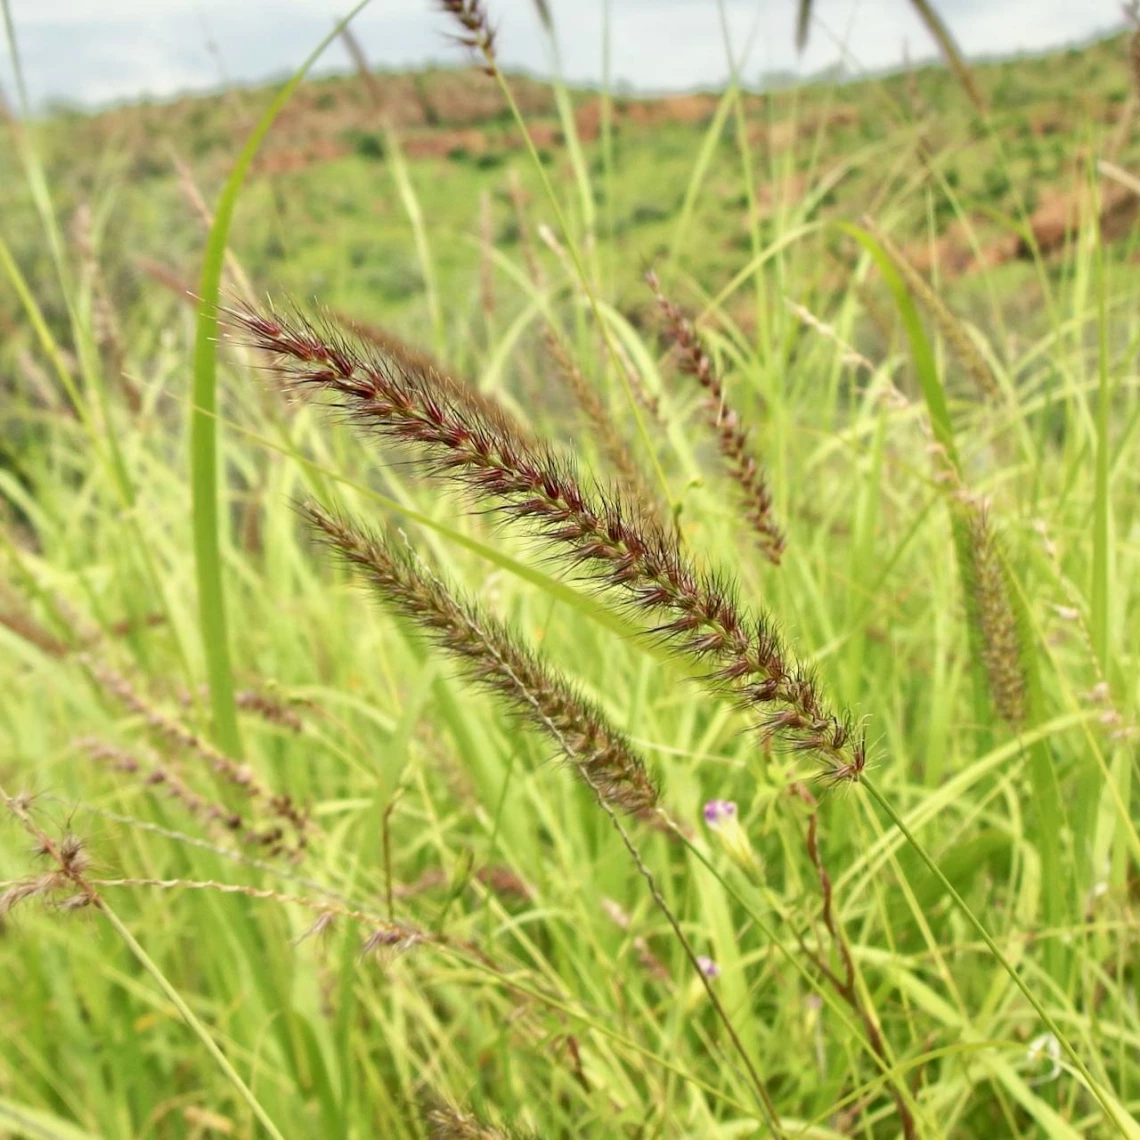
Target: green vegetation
{"x":283,"y":869}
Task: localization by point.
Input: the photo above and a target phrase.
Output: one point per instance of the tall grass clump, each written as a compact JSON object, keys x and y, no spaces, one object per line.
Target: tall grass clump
{"x":494,"y":699}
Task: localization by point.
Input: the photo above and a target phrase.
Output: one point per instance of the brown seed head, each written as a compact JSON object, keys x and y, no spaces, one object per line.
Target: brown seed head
{"x":493,"y":656}
{"x":731,"y":436}
{"x":603,"y":535}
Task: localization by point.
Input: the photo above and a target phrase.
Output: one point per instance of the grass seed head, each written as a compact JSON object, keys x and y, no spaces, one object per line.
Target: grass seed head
{"x":603,"y":535}
{"x":990,"y":609}
{"x":731,"y":436}
{"x":494,"y":657}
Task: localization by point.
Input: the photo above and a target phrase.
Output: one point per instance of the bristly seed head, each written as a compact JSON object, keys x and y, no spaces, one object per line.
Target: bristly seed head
{"x":991,"y":611}
{"x":73,"y":858}
{"x":731,"y":435}
{"x":492,"y":654}
{"x":603,"y":535}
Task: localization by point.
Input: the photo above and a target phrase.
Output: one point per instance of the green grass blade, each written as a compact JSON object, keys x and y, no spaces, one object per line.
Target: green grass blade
{"x":203,"y":432}
{"x":191,"y":1019}
{"x":1112,"y":1108}
{"x":1047,"y":795}
{"x":1100,"y":584}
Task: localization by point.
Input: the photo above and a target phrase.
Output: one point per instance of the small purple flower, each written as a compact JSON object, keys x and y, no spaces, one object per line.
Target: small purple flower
{"x":718,"y":811}
{"x":708,"y":967}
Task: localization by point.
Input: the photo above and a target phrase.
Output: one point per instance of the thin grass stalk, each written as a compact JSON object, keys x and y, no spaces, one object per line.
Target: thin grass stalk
{"x":231,"y":854}
{"x":756,"y":913}
{"x":394,"y":934}
{"x":187,"y":183}
{"x":937,"y":29}
{"x":479,"y":37}
{"x":229,"y":770}
{"x":1046,"y":1017}
{"x":360,"y":62}
{"x":954,"y":57}
{"x":847,"y":986}
{"x":206,"y":516}
{"x":79,"y":645}
{"x":67,"y":857}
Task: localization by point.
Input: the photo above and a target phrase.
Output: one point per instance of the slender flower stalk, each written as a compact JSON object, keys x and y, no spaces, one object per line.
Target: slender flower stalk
{"x":604,"y":536}
{"x":844,"y":982}
{"x":731,"y":435}
{"x":493,"y":655}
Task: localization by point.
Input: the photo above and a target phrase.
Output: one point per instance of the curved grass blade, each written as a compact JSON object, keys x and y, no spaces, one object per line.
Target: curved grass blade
{"x":203,"y":434}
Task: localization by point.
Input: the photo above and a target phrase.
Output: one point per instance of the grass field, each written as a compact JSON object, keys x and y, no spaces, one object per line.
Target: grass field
{"x":273,"y":861}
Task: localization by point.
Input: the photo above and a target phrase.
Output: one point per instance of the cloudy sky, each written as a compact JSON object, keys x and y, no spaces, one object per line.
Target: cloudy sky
{"x":96,"y":51}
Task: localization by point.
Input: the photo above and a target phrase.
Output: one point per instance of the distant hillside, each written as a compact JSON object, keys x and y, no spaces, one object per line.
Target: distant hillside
{"x":442,"y":110}
{"x":323,"y":214}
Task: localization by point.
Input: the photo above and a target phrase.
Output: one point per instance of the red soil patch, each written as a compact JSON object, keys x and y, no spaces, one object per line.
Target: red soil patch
{"x":1059,"y":216}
